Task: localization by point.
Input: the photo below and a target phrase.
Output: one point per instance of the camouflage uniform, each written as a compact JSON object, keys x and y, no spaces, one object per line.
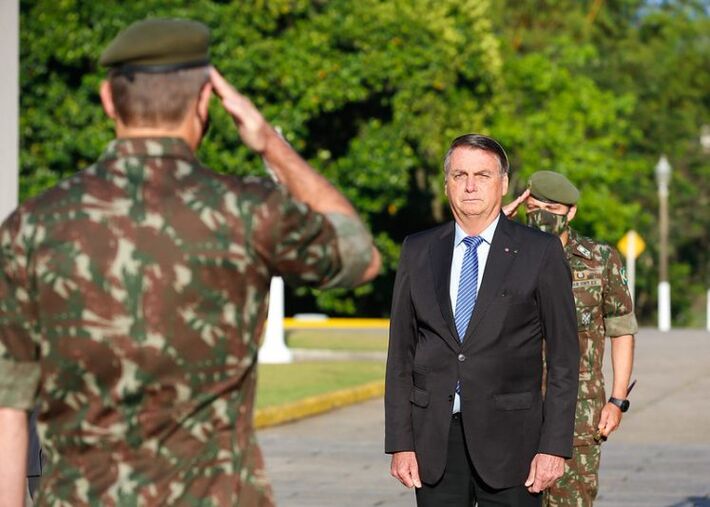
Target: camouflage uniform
{"x":132,"y":299}
{"x":604,"y":308}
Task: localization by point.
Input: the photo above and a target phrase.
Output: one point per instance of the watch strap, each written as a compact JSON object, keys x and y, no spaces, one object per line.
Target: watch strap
{"x":622,"y":404}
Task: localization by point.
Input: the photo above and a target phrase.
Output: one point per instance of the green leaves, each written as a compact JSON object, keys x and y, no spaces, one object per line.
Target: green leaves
{"x":372,"y":92}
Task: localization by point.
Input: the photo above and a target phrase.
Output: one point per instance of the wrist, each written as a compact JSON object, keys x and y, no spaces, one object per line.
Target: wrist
{"x":268,"y":135}
{"x":621,"y":404}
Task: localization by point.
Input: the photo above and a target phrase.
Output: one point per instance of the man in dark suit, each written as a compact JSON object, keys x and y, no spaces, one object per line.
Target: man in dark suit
{"x":466,"y":420}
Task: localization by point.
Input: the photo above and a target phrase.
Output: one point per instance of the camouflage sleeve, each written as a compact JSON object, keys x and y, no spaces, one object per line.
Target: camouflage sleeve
{"x":355,"y":248}
{"x":19,"y":366}
{"x":619,"y":318}
{"x":309,"y":248}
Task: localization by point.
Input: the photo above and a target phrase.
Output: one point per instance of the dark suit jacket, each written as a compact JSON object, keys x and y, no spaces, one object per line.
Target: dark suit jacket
{"x":526,"y":293}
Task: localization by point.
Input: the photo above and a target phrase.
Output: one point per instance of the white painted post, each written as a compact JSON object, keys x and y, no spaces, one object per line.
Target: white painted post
{"x":274,"y":349}
{"x":663,"y":177}
{"x":631,"y":268}
{"x":664,"y":306}
{"x":9,"y":106}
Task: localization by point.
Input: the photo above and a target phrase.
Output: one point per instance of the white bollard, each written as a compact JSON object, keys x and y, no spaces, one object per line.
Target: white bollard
{"x":274,"y":349}
{"x":9,"y":106}
{"x":664,"y":306}
{"x":631,"y":269}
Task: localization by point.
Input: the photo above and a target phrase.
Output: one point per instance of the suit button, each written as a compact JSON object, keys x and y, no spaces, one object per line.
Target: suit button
{"x":462,"y":358}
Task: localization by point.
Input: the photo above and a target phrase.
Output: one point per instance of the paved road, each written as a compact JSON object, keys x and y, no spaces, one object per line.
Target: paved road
{"x":660,"y":457}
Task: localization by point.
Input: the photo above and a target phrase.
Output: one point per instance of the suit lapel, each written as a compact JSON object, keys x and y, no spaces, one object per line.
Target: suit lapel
{"x":441,"y":251}
{"x":503,"y":252}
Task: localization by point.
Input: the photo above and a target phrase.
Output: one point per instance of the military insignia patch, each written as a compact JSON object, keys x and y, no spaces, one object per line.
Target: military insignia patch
{"x":586,"y":318}
{"x":584,"y":251}
{"x":593,"y":282}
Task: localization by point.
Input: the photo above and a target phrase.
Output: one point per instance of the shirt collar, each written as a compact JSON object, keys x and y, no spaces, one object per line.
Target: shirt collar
{"x":148,"y":147}
{"x":487,"y":233}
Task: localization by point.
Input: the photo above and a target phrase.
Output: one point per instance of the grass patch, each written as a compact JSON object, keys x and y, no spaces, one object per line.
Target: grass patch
{"x":374,"y":340}
{"x":286,"y":383}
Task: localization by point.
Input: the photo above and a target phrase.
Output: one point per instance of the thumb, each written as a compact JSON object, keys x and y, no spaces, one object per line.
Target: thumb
{"x":414,"y":471}
{"x":531,"y":476}
{"x":602,"y":421}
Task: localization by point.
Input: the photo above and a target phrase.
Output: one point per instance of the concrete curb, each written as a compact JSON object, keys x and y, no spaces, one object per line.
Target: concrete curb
{"x":336,"y":323}
{"x":314,"y":405}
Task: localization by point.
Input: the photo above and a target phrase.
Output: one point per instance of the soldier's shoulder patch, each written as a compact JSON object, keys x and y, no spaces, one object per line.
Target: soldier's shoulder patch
{"x":584,"y":251}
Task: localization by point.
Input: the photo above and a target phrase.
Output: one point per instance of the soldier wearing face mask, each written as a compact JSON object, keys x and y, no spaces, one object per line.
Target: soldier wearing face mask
{"x":604,"y":308}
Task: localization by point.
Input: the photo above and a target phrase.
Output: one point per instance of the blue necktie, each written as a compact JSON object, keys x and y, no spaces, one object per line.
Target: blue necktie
{"x":468,"y":285}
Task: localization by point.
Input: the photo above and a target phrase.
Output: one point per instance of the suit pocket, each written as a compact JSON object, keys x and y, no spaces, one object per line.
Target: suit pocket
{"x":513,"y":401}
{"x":419,"y":397}
{"x":419,"y":379}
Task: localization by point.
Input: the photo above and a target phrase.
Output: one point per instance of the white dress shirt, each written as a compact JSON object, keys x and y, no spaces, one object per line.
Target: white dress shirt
{"x":459,"y":250}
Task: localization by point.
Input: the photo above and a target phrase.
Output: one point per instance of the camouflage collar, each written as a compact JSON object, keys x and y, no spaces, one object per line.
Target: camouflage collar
{"x":578,"y":245}
{"x":148,"y":147}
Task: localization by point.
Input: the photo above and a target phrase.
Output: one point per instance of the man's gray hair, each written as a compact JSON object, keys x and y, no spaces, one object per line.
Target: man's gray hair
{"x":162,"y":99}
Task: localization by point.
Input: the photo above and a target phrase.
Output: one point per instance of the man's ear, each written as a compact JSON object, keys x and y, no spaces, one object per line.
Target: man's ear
{"x":107,"y":100}
{"x":505,"y":184}
{"x":571,"y":213}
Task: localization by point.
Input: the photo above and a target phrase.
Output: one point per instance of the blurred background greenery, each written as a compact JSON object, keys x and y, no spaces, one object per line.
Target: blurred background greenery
{"x":372,"y":92}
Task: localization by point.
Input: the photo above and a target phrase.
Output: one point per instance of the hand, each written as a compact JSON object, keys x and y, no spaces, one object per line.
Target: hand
{"x":253,"y":128}
{"x":511,"y":207}
{"x":545,"y":469}
{"x":610,"y":419}
{"x":404,"y":468}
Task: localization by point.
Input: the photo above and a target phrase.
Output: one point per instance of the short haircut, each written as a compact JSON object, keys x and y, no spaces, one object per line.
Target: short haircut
{"x":162,"y":99}
{"x":478,"y":142}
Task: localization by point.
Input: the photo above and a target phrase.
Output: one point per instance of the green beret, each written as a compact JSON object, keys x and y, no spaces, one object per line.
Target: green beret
{"x":158,"y":45}
{"x":550,"y":186}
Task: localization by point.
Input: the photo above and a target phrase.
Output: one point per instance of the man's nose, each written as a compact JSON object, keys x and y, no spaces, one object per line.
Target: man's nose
{"x":470,"y":184}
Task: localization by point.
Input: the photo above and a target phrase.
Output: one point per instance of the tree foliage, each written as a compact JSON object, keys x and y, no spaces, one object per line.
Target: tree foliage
{"x":372,"y":92}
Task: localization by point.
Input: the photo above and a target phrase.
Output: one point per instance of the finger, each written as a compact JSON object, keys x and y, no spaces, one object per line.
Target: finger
{"x":545,"y":481}
{"x":602,"y":421}
{"x":607,"y":425}
{"x":221,"y":86}
{"x":401,"y":471}
{"x":610,"y":426}
{"x":513,"y":206}
{"x":414,"y":470}
{"x":405,"y":477}
{"x":531,"y":476}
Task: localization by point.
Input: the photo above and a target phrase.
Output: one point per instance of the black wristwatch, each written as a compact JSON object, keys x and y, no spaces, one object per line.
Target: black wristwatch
{"x":622,"y":404}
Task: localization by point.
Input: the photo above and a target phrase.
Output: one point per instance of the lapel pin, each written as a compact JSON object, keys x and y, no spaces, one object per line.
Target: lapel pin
{"x":507,"y":249}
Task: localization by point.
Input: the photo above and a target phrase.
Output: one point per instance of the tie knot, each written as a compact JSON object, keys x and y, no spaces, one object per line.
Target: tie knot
{"x":473,"y":241}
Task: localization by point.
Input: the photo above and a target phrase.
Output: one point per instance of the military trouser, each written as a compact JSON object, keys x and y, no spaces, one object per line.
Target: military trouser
{"x":579,"y":484}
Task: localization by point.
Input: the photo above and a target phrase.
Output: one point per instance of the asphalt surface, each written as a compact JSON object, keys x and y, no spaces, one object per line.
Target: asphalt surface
{"x":659,"y":457}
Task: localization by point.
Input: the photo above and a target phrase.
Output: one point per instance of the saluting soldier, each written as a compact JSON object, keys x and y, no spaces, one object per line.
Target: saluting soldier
{"x":133,"y":294}
{"x":604,"y":308}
